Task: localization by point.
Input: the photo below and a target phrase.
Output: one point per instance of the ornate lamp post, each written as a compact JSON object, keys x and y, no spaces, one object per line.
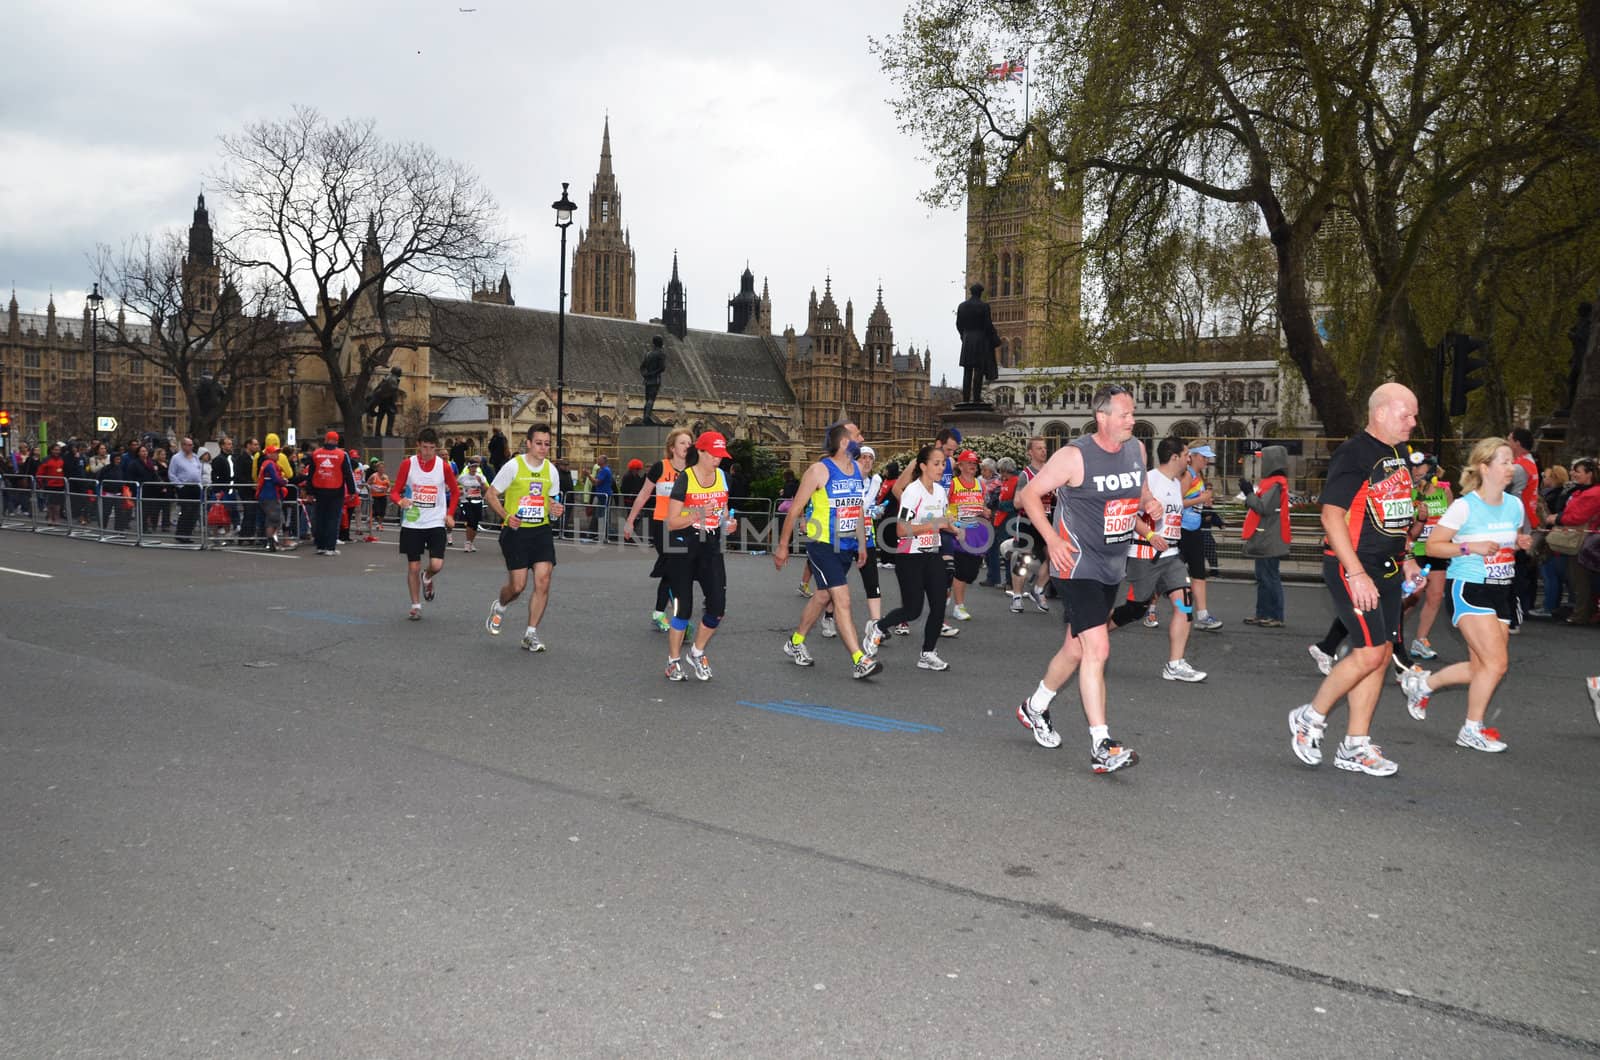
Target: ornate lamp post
{"x":294,"y":395}
{"x":95,"y":300}
{"x":564,"y":208}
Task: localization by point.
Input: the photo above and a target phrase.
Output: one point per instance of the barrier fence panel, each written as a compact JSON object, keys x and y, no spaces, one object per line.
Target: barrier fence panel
{"x":85,"y":508}
{"x":170,"y":515}
{"x":17,"y":511}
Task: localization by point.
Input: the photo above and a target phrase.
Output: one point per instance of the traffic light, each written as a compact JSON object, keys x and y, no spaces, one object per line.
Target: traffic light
{"x":5,"y":424}
{"x":1466,"y":371}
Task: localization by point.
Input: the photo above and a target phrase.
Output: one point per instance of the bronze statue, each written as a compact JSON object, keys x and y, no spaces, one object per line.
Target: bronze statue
{"x":979,"y":340}
{"x":651,"y":370}
{"x":382,"y":401}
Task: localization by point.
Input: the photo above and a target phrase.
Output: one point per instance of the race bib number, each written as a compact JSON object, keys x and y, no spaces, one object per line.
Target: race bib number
{"x":1427,"y":532}
{"x":474,"y":493}
{"x":1172,"y":525}
{"x":847,"y":517}
{"x":425,"y":497}
{"x":1119,"y":519}
{"x":1396,"y":511}
{"x":1500,"y":568}
{"x":531,"y":508}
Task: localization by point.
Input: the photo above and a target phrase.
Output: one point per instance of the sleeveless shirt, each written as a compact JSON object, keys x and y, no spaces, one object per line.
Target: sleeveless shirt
{"x":1098,"y":517}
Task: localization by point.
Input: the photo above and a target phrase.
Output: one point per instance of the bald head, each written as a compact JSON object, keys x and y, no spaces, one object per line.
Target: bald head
{"x":1391,"y":413}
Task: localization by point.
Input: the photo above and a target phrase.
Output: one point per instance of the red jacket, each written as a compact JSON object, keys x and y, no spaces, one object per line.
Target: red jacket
{"x":50,"y":473}
{"x":1583,"y":508}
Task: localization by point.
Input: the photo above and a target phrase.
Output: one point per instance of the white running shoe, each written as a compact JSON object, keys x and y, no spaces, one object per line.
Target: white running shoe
{"x":1016,"y":603}
{"x":1480,"y":738}
{"x":871,"y":637}
{"x":675,"y":670}
{"x":798,"y":652}
{"x":1039,"y":602}
{"x":1208,"y":622}
{"x":826,"y":625}
{"x":427,"y":586}
{"x":866,"y":667}
{"x":700,"y":665}
{"x":947,"y":630}
{"x":1421,"y":649}
{"x":900,"y":630}
{"x":1306,"y":727}
{"x":1039,"y":724}
{"x":1593,"y":685}
{"x":962,"y":613}
{"x":929,"y":660}
{"x":1323,"y":660}
{"x":1111,"y":756}
{"x":531,"y":642}
{"x":1415,"y":685}
{"x":1365,"y":757}
{"x":492,"y":623}
{"x":1182,"y":671}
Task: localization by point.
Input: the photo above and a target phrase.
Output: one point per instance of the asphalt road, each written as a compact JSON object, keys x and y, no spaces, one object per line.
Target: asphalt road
{"x":246,"y":809}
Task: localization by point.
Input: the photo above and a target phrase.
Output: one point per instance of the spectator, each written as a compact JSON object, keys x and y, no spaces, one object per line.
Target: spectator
{"x":1197,"y":497}
{"x":604,"y":485}
{"x":78,"y":488}
{"x":378,"y":491}
{"x":188,"y":481}
{"x":137,"y":473}
{"x":1552,"y":565}
{"x":1000,"y":500}
{"x":52,"y":483}
{"x":1525,"y":487}
{"x":1582,"y":509}
{"x":24,"y":465}
{"x":271,"y":487}
{"x":229,"y":470}
{"x":499,"y":451}
{"x":633,"y":481}
{"x":1266,"y":535}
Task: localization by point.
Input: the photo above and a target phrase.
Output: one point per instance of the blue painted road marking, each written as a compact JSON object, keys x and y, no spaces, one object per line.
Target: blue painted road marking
{"x":835,"y":716}
{"x":329,"y":616}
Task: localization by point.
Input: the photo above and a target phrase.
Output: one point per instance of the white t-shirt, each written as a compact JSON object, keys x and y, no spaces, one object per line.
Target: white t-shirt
{"x":918,"y":504}
{"x":1170,"y":493}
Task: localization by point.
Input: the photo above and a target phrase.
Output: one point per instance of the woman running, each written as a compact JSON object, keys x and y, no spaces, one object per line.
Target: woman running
{"x":697,"y":518}
{"x":1479,"y":533}
{"x":918,"y":564}
{"x":658,"y":488}
{"x":1432,"y":498}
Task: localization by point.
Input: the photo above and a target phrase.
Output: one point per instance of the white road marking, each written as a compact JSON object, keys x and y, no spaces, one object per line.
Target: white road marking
{"x":25,"y":573}
{"x":260,"y":555}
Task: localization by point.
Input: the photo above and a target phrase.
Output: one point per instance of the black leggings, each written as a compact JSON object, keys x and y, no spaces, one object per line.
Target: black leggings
{"x":663,"y":586}
{"x":869,"y":574}
{"x":703,"y":565}
{"x":921,"y":576}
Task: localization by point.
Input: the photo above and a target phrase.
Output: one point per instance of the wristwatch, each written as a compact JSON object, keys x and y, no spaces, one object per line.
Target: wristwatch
{"x":1465,"y":550}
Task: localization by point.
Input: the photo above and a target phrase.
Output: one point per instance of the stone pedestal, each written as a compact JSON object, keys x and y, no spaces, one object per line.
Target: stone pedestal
{"x":973,"y":419}
{"x":642,"y":441}
{"x":391,"y":447}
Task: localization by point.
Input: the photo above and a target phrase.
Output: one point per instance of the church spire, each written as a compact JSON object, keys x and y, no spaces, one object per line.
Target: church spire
{"x":605,"y":149}
{"x":201,"y":248}
{"x":675,"y":308}
{"x":603,"y":262}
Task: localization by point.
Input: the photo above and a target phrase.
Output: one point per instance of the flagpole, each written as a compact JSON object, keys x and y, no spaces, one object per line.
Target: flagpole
{"x":1027,"y":62}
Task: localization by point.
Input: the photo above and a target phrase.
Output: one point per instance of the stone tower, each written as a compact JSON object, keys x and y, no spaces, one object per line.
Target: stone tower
{"x":879,"y":345}
{"x":744,"y":308}
{"x":202,"y":277}
{"x":1023,"y":237}
{"x":674,"y":303}
{"x":602,"y":264}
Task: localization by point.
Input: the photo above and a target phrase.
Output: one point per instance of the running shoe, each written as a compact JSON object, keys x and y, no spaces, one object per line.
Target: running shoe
{"x":701,"y":665}
{"x":1365,"y":757}
{"x":962,"y":614}
{"x":804,"y":590}
{"x":1270,"y":623}
{"x":1208,"y":622}
{"x":1415,"y":685}
{"x":827,"y":626}
{"x":1111,"y":756}
{"x":929,"y":660}
{"x":659,"y":620}
{"x":871,"y":637}
{"x":1480,"y":739}
{"x":1182,"y":671}
{"x":1306,"y":727}
{"x":1039,"y":602}
{"x":866,"y":667}
{"x":798,"y":652}
{"x":1323,"y":660}
{"x":1038,"y":722}
{"x":492,"y":623}
{"x":1016,"y":603}
{"x":427,"y":586}
{"x":1593,"y":685}
{"x":531,"y":641}
{"x":1151,"y":619}
{"x":901,"y":630}
{"x":333,"y":552}
{"x":947,"y":630}
{"x":370,"y":538}
{"x":1422,"y":649}
{"x":469,"y":547}
{"x":1539,"y":612}
{"x":415,"y":614}
{"x":675,"y":670}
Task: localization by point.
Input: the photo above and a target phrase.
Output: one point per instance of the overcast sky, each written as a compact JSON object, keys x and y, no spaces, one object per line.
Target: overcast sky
{"x":738,"y":132}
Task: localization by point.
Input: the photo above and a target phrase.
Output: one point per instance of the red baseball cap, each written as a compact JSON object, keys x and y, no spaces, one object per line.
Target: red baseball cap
{"x":332,"y":437}
{"x":636,"y":464}
{"x":713,"y":443}
{"x":967,"y":457}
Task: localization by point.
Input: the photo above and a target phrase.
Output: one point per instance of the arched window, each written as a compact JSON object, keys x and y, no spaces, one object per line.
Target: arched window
{"x":1213,"y":394}
{"x":1005,"y":276}
{"x":1088,"y":428}
{"x":1029,"y":397}
{"x":1236,"y":393}
{"x":1169,"y":393}
{"x":993,"y":272}
{"x":1020,"y":289}
{"x":1188,"y":430}
{"x":1004,"y":397}
{"x":1047,"y":398}
{"x":1258,"y":393}
{"x":1056,"y":434}
{"x":1146,"y":433}
{"x":1148,"y":396}
{"x":1086,"y":394}
{"x":1191,"y":393}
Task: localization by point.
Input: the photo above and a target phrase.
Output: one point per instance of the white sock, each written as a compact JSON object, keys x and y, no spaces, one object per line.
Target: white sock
{"x":530,"y":632}
{"x":499,"y":608}
{"x":695,"y":652}
{"x":1098,"y":733}
{"x":1475,"y":726}
{"x":1039,"y":702}
{"x":1309,"y":714}
{"x":1353,"y":742}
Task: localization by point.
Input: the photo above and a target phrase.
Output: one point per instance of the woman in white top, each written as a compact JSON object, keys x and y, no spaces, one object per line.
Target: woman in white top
{"x":917,"y":565}
{"x":1479,"y":534}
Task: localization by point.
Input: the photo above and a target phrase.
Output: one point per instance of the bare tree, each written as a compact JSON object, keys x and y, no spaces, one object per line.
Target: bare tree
{"x":323,"y":207}
{"x":199,"y":323}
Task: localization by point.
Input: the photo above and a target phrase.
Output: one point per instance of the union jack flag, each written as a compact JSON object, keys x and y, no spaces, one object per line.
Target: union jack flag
{"x":1010,"y":70}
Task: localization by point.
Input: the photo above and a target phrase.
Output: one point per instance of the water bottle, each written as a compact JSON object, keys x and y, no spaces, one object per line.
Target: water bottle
{"x":1413,"y":584}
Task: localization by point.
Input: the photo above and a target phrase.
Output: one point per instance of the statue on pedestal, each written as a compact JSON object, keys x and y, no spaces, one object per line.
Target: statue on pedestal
{"x":979,"y":340}
{"x":651,"y":370}
{"x":382,"y":402}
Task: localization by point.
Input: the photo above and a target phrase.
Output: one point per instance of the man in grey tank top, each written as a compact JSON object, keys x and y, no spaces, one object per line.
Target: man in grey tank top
{"x":1100,"y":489}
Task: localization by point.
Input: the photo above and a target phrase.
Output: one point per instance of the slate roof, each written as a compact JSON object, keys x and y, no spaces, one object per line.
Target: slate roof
{"x":605,"y":353}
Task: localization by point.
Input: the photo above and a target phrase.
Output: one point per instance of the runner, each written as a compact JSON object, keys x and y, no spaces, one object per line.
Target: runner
{"x":836,"y":534}
{"x":949,"y":441}
{"x":871,"y":635}
{"x":697,"y":517}
{"x":1366,"y":514}
{"x":1480,"y":534}
{"x":1197,"y":496}
{"x":378,"y":490}
{"x":967,"y":539}
{"x":1432,"y":498}
{"x":1155,"y":567}
{"x":527,"y":537}
{"x":428,"y":495}
{"x":1029,"y":556}
{"x":918,"y":566}
{"x":658,"y":488}
{"x":473,"y":486}
{"x":1100,"y":488}
{"x":1592,"y":685}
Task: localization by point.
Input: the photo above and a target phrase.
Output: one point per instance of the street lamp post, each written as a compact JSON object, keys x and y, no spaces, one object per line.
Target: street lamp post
{"x":294,"y":396}
{"x":95,"y":300}
{"x":563,"y":207}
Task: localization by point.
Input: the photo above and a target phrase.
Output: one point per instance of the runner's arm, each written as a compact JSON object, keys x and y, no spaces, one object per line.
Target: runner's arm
{"x":398,"y":487}
{"x":810,"y":482}
{"x":452,"y":484}
{"x":1064,"y":468}
{"x":646,"y":491}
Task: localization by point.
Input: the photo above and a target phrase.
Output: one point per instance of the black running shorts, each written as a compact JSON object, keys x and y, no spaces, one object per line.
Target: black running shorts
{"x":528,"y":546}
{"x":414,"y":541}
{"x":1367,"y":629}
{"x":1085,"y":604}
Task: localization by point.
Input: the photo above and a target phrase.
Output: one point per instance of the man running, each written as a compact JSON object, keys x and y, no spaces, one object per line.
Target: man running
{"x":1100,"y":489}
{"x":1156,"y":569}
{"x":428,"y":494}
{"x":473,"y":486}
{"x":836,"y":534}
{"x":1367,"y":513}
{"x":1197,"y":496}
{"x":1030,"y":561}
{"x":528,"y":538}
